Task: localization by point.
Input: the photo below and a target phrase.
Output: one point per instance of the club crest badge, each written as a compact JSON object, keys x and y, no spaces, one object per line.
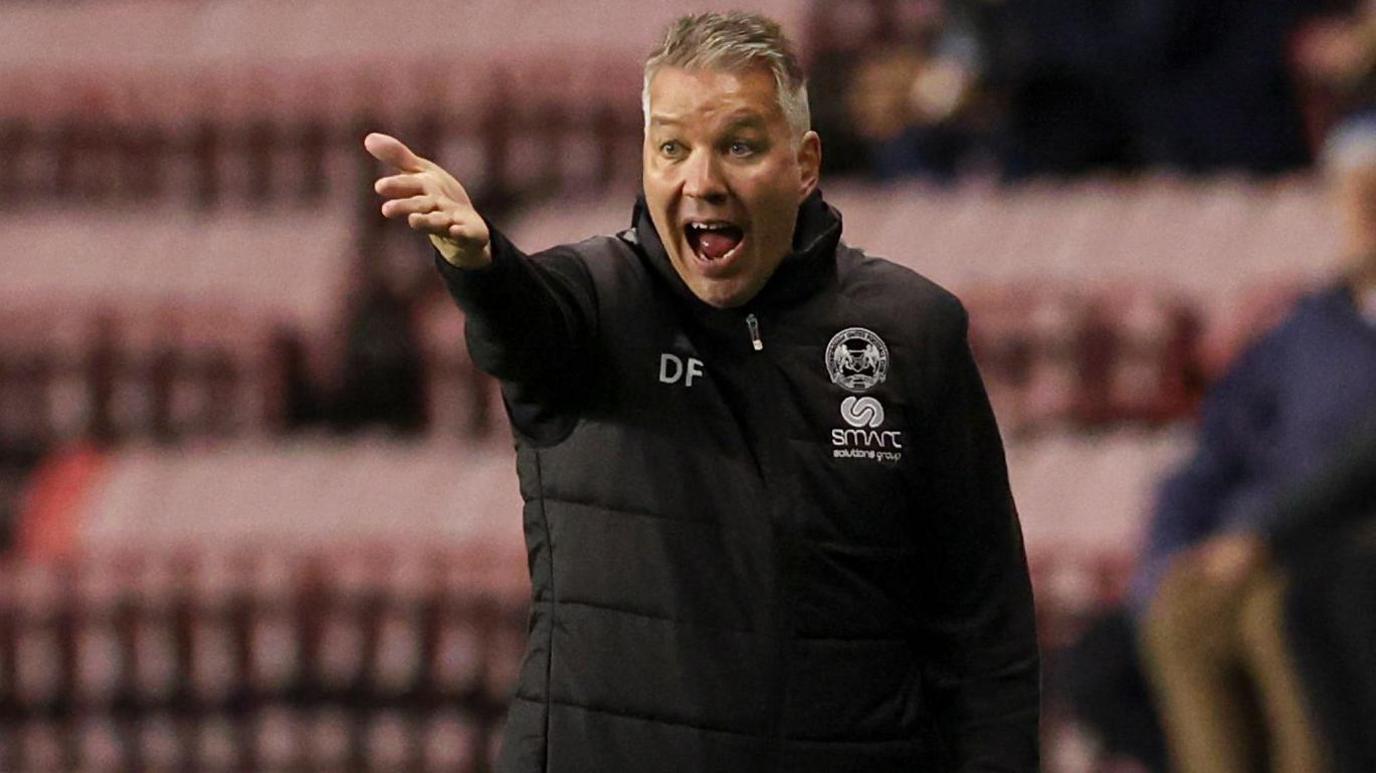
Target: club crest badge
{"x":857,"y":359}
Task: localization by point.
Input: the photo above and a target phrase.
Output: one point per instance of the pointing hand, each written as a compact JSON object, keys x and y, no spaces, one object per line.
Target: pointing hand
{"x":432,"y":201}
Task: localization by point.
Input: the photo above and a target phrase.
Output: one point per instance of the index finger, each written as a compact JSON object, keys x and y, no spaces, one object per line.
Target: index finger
{"x":392,"y":151}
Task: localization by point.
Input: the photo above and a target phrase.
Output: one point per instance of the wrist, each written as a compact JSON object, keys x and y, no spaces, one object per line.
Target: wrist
{"x":458,"y":257}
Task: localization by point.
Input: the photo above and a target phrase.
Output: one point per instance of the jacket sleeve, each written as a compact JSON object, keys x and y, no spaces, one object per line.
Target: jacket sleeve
{"x":1218,"y":486}
{"x":528,"y":317}
{"x":982,"y":670}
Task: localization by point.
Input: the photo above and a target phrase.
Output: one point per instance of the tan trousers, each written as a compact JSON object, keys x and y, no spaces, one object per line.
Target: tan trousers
{"x":1224,"y":678}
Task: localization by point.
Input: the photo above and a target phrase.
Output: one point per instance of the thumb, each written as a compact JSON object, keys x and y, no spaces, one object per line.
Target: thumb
{"x":393,"y":152}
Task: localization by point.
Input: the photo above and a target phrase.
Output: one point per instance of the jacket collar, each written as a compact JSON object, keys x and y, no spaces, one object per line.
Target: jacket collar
{"x":802,"y":271}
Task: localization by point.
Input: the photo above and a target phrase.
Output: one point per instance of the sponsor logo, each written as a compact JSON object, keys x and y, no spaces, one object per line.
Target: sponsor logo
{"x":862,"y":411}
{"x":673,"y":369}
{"x":865,"y":439}
{"x":857,"y":359}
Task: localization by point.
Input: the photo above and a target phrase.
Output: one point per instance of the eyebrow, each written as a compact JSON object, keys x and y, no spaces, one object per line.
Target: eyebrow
{"x":748,"y":120}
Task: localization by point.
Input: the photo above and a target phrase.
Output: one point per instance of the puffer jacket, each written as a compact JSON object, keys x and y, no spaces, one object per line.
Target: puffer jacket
{"x":772,"y":538}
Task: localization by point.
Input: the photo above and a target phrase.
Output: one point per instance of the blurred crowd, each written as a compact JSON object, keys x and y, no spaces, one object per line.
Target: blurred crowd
{"x":939,"y":89}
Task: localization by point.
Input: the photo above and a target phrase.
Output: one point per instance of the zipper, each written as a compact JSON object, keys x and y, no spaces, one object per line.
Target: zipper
{"x":753,"y":324}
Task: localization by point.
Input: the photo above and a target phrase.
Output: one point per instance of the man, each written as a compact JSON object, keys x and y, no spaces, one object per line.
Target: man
{"x":767,"y":515}
{"x":1327,"y":536}
{"x":1209,"y":594}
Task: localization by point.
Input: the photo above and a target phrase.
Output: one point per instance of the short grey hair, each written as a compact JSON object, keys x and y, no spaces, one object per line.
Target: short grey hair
{"x":1350,"y":145}
{"x":734,"y":42}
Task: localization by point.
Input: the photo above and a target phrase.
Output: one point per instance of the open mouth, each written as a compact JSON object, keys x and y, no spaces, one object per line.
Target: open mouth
{"x":714,"y":240}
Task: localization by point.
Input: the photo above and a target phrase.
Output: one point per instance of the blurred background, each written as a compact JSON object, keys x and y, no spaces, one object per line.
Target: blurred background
{"x":259,"y":511}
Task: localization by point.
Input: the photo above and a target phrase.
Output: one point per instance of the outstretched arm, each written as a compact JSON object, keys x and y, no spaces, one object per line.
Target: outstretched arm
{"x":528,"y":317}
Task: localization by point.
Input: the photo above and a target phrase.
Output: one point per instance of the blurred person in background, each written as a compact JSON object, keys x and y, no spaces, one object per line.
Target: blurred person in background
{"x":900,"y":89}
{"x":913,"y":105}
{"x":1326,"y":531}
{"x":1335,"y":61}
{"x":382,"y":382}
{"x":1209,"y":591}
{"x":938,"y":88}
{"x":1068,"y":74}
{"x":1220,"y":92}
{"x":382,"y":379}
{"x":767,"y":512}
{"x":1199,"y":87}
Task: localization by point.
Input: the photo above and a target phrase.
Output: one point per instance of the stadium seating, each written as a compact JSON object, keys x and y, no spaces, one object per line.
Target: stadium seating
{"x":257,"y":661}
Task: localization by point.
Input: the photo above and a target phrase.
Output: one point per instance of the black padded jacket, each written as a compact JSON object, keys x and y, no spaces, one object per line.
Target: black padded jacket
{"x":772,"y":538}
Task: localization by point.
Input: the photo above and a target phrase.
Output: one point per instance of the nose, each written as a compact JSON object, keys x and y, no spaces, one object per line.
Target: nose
{"x":702,"y":178}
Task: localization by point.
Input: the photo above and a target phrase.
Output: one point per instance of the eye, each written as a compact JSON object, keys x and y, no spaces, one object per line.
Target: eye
{"x":670,"y":149}
{"x":741,"y":149}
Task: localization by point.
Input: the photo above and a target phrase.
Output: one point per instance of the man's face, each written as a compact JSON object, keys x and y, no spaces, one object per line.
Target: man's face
{"x":723,"y":179}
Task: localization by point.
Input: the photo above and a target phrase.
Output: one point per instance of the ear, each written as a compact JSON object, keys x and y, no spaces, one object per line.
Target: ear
{"x":809,"y":164}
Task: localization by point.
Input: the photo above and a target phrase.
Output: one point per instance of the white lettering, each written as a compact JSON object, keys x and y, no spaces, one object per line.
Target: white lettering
{"x":867,"y":437}
{"x":665,"y":376}
{"x":694,"y":369}
{"x":867,"y":444}
{"x":672,"y":369}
